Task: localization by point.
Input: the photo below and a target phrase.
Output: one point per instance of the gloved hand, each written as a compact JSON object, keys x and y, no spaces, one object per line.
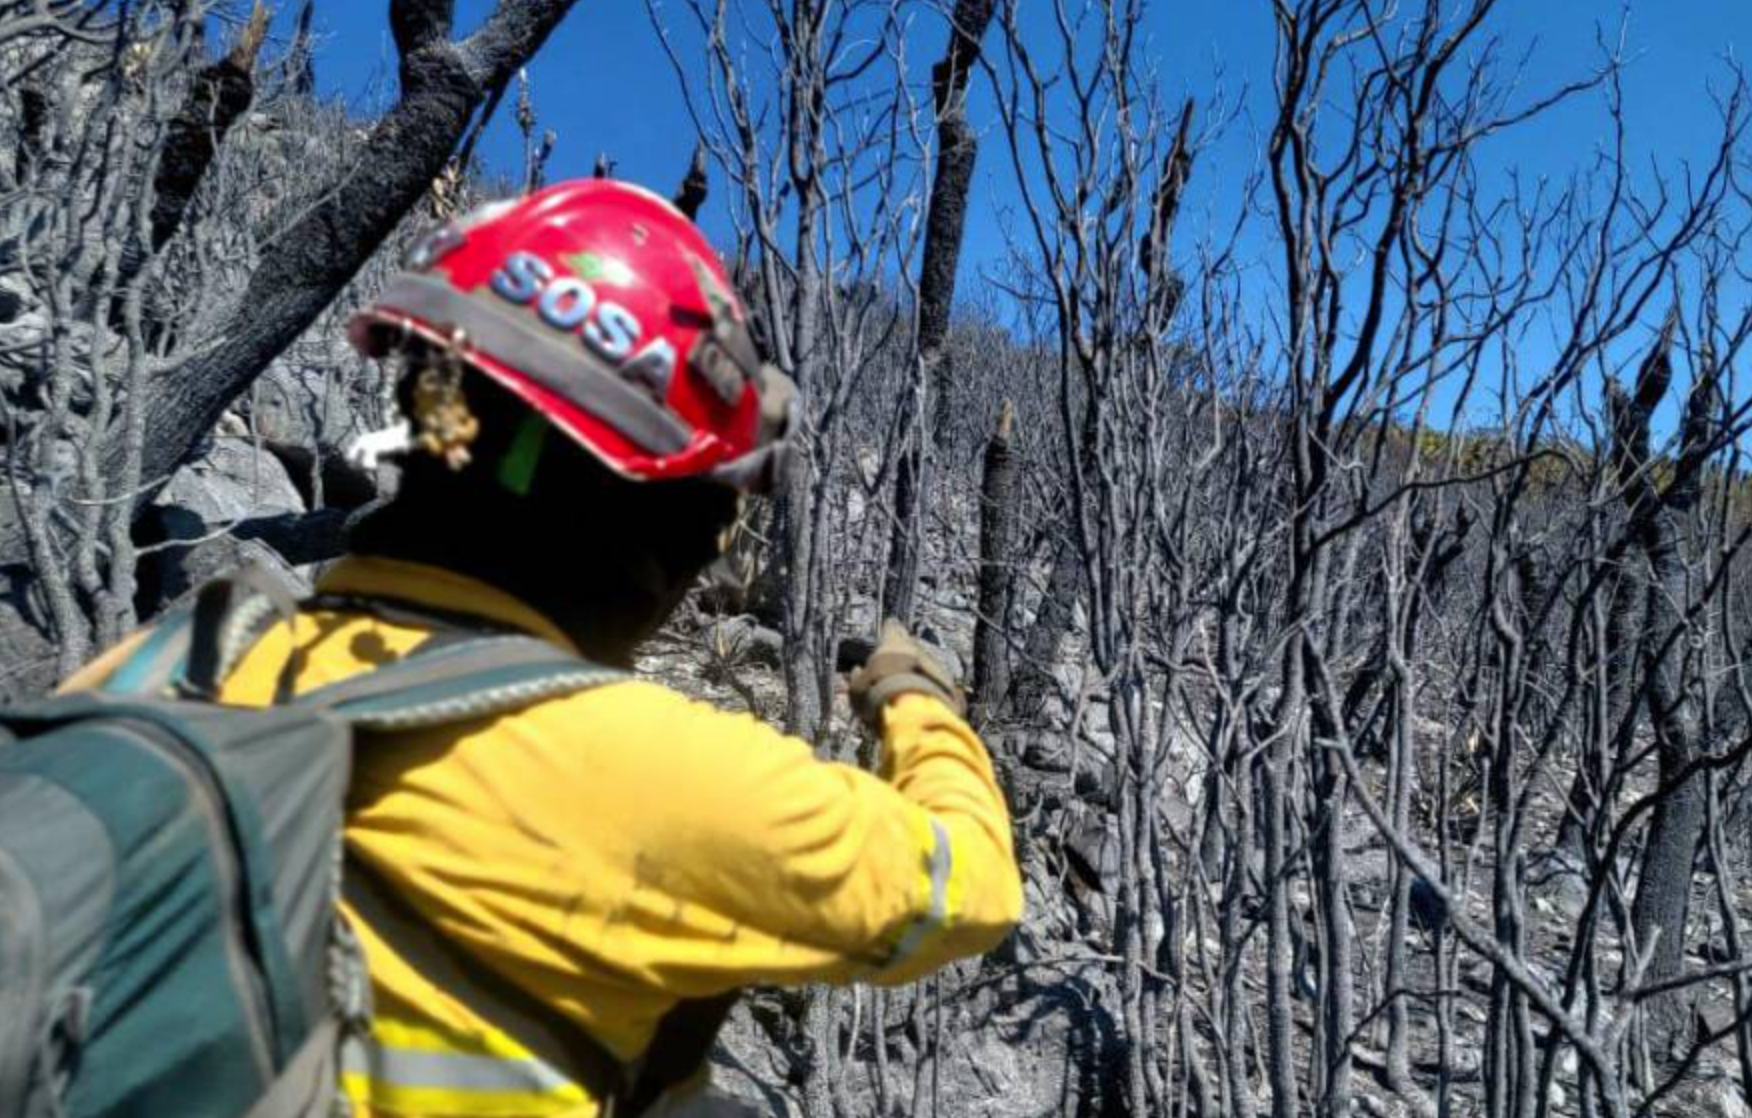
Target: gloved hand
{"x":900,"y":665}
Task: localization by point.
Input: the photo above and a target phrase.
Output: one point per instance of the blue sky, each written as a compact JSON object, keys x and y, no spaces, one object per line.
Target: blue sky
{"x":604,"y":84}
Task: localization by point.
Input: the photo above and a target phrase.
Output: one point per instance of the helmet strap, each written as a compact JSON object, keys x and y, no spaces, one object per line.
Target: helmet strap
{"x":517,"y":467}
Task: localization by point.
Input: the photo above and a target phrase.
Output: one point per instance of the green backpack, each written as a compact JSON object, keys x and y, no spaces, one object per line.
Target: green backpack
{"x":169,"y":866}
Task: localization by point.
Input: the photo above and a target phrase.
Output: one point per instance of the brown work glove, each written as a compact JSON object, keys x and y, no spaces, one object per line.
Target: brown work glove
{"x":898,"y":666}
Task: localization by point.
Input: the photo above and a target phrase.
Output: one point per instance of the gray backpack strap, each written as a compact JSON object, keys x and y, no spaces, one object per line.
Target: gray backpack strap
{"x":454,"y":680}
{"x":194,"y":648}
{"x":230,"y":615}
{"x":306,"y":1087}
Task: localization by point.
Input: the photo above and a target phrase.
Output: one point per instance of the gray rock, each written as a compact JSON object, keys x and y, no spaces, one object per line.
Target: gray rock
{"x":232,"y":481}
{"x":187,"y":535}
{"x":1094,"y":849}
{"x":1023,"y":1044}
{"x":749,"y":1068}
{"x":1560,"y":878}
{"x":1042,"y":750}
{"x":952,"y":663}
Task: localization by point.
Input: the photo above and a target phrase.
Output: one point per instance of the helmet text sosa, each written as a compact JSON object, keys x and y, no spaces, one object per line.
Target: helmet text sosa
{"x":569,"y":304}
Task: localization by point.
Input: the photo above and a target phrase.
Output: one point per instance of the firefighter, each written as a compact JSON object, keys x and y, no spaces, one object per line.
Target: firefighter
{"x":557,"y":906}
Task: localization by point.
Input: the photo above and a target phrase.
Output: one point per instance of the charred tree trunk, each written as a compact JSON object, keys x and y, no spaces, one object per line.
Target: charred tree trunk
{"x":997,"y":511}
{"x":1671,"y":657}
{"x":957,"y":150}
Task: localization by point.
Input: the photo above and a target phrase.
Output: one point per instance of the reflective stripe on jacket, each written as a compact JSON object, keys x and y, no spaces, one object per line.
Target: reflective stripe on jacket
{"x":409,"y":1067}
{"x":614,"y":852}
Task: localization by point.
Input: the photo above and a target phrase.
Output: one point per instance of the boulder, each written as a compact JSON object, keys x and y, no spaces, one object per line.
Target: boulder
{"x":1034,"y":1042}
{"x":188,"y":535}
{"x":1724,"y":1098}
{"x":1559,"y":878}
{"x":232,"y":481}
{"x":1093,"y":847}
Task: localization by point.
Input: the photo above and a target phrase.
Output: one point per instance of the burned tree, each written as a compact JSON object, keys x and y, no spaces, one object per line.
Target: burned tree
{"x":134,"y":278}
{"x":923,"y":421}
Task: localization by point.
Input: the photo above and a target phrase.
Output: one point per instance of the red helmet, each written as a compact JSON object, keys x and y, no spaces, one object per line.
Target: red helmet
{"x":604,"y":309}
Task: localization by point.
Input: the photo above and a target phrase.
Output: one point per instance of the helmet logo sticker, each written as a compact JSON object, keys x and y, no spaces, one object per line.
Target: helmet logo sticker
{"x":569,"y":304}
{"x":595,"y":267}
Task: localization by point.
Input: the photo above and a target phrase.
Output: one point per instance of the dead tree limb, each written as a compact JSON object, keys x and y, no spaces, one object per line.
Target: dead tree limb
{"x":945,"y":222}
{"x":221,"y":93}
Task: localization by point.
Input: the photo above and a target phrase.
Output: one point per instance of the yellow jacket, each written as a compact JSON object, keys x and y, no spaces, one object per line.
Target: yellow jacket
{"x":623,"y":848}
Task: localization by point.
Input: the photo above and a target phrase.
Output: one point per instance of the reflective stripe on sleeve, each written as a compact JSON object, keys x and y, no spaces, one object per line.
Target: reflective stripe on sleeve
{"x":417,"y":1078}
{"x":936,"y":914}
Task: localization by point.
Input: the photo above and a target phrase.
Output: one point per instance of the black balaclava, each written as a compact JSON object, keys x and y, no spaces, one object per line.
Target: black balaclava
{"x":537,"y":516}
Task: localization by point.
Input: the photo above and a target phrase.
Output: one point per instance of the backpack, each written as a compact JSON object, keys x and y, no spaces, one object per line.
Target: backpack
{"x":169,"y":866}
